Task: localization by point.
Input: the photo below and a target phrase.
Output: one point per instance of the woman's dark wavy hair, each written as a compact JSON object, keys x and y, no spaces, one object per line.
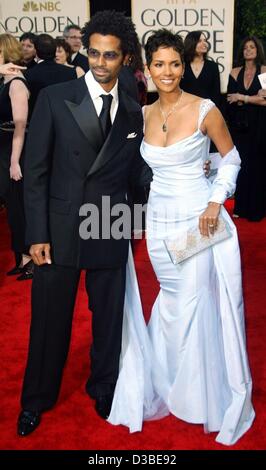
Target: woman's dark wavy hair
{"x":60,"y":42}
{"x":260,"y":59}
{"x":163,"y":38}
{"x":114,"y":23}
{"x":190,"y":43}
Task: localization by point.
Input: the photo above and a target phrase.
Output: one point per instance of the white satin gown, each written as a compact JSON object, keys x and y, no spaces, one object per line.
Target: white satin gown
{"x":191,"y":361}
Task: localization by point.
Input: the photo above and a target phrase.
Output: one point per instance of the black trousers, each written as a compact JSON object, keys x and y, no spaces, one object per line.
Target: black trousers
{"x":54,"y":292}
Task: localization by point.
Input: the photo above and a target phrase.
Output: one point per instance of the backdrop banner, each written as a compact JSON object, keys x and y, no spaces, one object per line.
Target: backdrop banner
{"x":20,"y":16}
{"x":214,"y":18}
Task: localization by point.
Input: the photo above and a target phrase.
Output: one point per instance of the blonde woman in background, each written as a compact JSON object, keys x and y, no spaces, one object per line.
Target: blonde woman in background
{"x":14,"y":96}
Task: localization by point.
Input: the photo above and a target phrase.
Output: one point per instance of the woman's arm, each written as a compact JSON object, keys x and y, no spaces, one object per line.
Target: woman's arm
{"x":246,"y":99}
{"x":215,"y":93}
{"x":224,"y":183}
{"x":214,"y":125}
{"x":19,"y":96}
{"x":10,"y":69}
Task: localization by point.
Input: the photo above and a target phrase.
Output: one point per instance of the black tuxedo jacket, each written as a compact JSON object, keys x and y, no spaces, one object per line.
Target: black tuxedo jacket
{"x":44,"y":74}
{"x":67,"y":164}
{"x":81,"y":61}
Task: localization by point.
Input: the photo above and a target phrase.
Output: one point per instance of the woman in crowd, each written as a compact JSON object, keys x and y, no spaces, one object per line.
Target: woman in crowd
{"x":14,"y":97}
{"x":63,"y":55}
{"x":192,"y":363}
{"x":201,"y":75}
{"x":247,"y":122}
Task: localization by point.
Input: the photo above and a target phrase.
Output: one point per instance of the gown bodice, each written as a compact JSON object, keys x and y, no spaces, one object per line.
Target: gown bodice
{"x":182,"y":160}
{"x":179,"y":190}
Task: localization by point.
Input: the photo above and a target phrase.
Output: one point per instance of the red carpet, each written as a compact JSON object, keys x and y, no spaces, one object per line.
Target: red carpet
{"x":73,"y":423}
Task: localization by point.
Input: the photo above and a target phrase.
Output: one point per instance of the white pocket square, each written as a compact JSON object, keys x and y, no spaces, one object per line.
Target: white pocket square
{"x":132,"y":135}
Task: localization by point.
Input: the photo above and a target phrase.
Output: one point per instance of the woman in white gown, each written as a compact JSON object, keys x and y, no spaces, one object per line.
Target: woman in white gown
{"x":191,"y":361}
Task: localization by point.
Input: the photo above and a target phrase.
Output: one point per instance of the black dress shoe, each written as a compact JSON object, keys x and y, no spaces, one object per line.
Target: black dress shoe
{"x":103,"y":405}
{"x":25,"y":276}
{"x":14,"y":271}
{"x":27,"y":272}
{"x":28,"y":422}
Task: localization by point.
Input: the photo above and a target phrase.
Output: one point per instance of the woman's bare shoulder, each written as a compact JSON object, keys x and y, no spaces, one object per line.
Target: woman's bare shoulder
{"x":191,"y":100}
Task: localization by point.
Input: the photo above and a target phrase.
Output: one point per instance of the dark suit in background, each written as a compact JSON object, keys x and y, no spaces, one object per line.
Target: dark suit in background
{"x":81,"y":61}
{"x":128,"y":82}
{"x":44,"y":74}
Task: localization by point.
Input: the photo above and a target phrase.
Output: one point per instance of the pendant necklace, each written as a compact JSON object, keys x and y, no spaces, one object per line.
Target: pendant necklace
{"x":166,"y":115}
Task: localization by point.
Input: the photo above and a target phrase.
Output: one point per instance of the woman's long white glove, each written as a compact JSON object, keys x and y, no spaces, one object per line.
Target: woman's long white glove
{"x":224,"y":184}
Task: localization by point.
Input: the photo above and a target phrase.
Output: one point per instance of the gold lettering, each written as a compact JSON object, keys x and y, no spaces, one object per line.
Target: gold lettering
{"x":49,"y":6}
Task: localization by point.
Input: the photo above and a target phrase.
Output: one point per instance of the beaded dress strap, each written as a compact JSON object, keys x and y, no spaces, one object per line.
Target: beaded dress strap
{"x":205,"y":106}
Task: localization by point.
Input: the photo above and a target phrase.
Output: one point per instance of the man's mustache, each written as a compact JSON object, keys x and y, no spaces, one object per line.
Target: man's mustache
{"x":99,"y":69}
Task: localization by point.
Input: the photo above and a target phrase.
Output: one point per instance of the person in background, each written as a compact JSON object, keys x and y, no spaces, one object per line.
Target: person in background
{"x":14,"y":95}
{"x":47,"y":72}
{"x":72,"y":35}
{"x":27,"y":41}
{"x":201,"y":75}
{"x":246,"y":112}
{"x":63,"y":55}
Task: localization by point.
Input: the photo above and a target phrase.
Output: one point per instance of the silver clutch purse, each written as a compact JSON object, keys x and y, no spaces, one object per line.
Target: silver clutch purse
{"x":190,"y":242}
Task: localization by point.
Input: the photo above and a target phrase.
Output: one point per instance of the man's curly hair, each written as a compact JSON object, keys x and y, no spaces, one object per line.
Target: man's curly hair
{"x":114,"y":23}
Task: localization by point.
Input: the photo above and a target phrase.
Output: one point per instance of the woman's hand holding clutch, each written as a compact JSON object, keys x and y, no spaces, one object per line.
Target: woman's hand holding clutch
{"x":209,"y":219}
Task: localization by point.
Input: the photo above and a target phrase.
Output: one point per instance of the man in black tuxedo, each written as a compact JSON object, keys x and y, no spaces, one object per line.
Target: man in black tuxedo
{"x":72,"y":35}
{"x":83,"y":143}
{"x":47,"y":71}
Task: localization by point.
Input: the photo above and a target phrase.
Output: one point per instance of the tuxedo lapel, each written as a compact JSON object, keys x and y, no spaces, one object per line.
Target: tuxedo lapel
{"x":86,"y":117}
{"x":117,"y":136}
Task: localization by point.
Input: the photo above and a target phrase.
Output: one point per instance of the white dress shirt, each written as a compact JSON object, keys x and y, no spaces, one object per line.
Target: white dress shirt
{"x":73,"y":56}
{"x":96,"y":90}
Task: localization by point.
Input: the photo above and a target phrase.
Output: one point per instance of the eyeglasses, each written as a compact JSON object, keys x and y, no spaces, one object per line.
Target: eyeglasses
{"x":107,"y":55}
{"x":74,"y":37}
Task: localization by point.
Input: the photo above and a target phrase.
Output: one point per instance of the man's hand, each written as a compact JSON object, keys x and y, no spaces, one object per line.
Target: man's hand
{"x":40,"y":253}
{"x":207,"y":167}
